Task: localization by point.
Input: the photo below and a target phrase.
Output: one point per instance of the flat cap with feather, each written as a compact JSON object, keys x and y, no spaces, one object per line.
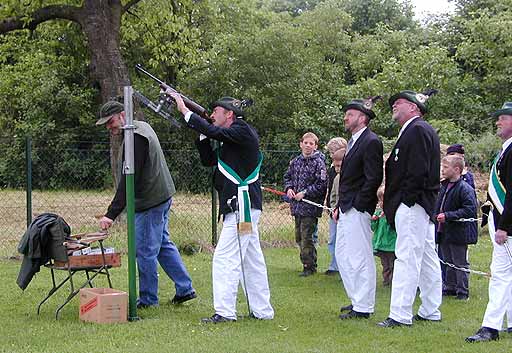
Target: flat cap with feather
{"x":419,"y":99}
{"x":363,"y":105}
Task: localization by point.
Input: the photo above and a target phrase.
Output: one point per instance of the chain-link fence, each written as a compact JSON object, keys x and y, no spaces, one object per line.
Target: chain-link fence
{"x":73,"y":179}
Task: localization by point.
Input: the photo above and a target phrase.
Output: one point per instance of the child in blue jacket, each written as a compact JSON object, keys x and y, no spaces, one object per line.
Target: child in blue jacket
{"x":456,"y":203}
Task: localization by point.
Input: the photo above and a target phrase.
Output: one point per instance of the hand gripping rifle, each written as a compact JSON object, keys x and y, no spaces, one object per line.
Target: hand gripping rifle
{"x":166,"y":102}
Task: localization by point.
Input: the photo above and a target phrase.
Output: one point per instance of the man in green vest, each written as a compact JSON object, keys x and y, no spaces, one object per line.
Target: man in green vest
{"x":154,"y":188}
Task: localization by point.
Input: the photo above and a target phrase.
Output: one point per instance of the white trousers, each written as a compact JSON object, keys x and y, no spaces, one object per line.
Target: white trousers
{"x":416,"y":265}
{"x":354,"y":255}
{"x":227,"y":270}
{"x":500,"y":284}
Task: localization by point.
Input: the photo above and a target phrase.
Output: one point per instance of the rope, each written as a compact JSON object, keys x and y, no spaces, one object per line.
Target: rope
{"x":468,"y":220}
{"x":467,"y":270}
{"x":463,"y":269}
{"x":280,"y":193}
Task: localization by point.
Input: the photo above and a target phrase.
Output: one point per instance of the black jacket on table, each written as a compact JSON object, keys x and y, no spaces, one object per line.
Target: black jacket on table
{"x":361,"y":174}
{"x":239,"y":149}
{"x":458,"y":202}
{"x":504,"y":168}
{"x":412,"y":170}
{"x":41,"y":242}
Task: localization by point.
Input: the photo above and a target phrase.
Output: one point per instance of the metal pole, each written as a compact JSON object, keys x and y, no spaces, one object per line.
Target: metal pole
{"x":28,"y":161}
{"x":129,"y":171}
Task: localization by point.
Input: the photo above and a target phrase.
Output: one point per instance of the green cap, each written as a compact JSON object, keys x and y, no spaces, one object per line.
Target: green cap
{"x":229,"y":103}
{"x":419,"y":99}
{"x":107,"y":110}
{"x":363,"y":105}
{"x":506,"y":109}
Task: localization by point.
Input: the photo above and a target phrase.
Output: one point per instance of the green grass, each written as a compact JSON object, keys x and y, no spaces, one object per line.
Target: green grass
{"x":306,"y":317}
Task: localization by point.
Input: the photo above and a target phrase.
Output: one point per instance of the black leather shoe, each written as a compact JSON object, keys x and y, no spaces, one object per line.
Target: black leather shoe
{"x":449,"y":293}
{"x":389,"y":322}
{"x":330,"y":273}
{"x":306,"y":273}
{"x":352,"y":314}
{"x":179,"y":299}
{"x":463,"y":297}
{"x":216,"y":319}
{"x":252,"y":316}
{"x":145,"y":306}
{"x":346,"y":308}
{"x":418,"y":317}
{"x":484,"y":334}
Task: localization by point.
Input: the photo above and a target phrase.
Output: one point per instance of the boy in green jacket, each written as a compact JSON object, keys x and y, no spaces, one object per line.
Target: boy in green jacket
{"x":384,"y":239}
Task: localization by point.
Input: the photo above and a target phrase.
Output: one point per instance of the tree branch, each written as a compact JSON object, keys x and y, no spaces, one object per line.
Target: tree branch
{"x":130,"y":3}
{"x":41,"y":15}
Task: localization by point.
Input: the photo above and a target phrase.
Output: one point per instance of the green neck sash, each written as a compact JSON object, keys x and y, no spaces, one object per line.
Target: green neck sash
{"x":496,"y":189}
{"x":244,"y":201}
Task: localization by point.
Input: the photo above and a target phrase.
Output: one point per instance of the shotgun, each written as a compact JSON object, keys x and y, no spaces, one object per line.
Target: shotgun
{"x":193,"y":106}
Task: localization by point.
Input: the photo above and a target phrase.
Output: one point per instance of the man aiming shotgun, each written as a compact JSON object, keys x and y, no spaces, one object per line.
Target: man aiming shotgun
{"x":238,"y":160}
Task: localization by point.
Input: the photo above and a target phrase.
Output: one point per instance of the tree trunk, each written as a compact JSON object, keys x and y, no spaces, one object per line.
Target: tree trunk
{"x":101,"y":23}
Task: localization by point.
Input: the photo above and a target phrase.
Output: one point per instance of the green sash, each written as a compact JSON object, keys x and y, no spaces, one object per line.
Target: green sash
{"x":244,"y":201}
{"x":496,"y":189}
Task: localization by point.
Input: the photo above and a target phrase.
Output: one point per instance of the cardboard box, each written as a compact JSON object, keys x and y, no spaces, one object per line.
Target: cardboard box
{"x":82,"y":261}
{"x":103,"y":305}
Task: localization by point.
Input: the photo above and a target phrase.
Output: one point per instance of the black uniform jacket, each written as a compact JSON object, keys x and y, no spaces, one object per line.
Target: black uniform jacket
{"x":41,"y":242}
{"x":412,"y":170}
{"x":239,"y":149}
{"x":504,"y":221}
{"x":361,"y":174}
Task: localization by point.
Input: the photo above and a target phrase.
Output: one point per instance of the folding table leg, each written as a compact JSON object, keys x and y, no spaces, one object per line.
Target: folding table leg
{"x":52,"y":291}
{"x":75,"y":292}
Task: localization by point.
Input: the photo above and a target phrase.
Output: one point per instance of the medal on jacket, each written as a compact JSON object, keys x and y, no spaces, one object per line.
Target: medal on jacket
{"x":396,"y":154}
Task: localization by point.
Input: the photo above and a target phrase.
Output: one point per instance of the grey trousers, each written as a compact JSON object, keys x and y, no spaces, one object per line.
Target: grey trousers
{"x":455,"y":280}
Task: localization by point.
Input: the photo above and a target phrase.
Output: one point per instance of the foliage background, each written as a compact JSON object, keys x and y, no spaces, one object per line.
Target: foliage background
{"x":299,"y":60}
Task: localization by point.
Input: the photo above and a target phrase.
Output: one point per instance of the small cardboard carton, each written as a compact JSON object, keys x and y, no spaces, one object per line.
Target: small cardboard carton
{"x":103,"y":305}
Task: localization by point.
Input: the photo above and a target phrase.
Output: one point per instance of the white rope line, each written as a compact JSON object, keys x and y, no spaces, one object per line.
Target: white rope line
{"x":463,"y":269}
{"x":318,"y":205}
{"x":468,"y":220}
